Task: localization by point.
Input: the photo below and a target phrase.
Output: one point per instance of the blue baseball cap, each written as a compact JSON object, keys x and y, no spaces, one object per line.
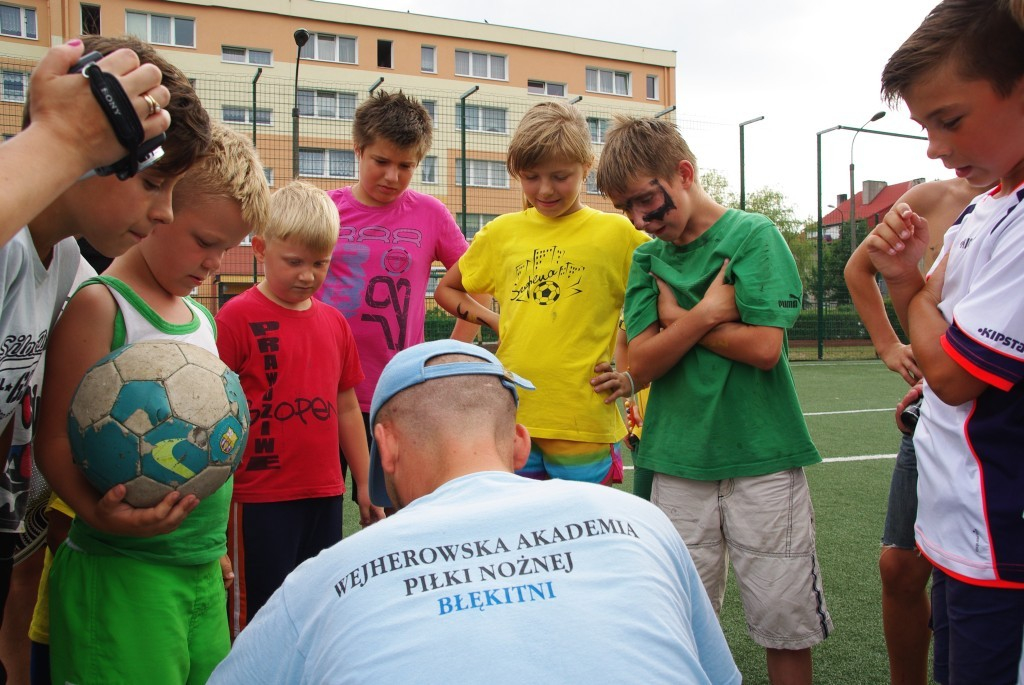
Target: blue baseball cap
{"x":409,"y":368}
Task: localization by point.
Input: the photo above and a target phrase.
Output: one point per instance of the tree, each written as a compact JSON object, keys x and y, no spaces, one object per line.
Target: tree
{"x":716,"y":185}
{"x":835,"y":255}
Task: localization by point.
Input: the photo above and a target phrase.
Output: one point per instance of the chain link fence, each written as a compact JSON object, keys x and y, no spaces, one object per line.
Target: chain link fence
{"x":304,"y":128}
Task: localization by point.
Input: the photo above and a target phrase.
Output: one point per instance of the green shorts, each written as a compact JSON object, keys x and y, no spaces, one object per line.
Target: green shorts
{"x":116,"y":620}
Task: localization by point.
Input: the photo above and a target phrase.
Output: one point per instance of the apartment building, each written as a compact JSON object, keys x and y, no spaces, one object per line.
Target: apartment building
{"x":476,"y":79}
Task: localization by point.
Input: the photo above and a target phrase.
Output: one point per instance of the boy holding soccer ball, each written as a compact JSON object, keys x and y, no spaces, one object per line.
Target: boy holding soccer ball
{"x":127,"y":605}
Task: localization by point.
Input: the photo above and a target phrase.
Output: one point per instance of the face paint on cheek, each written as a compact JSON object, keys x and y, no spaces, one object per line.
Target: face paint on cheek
{"x":666,"y":206}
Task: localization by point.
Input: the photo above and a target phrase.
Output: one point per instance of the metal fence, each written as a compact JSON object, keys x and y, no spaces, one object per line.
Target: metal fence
{"x":464,"y":169}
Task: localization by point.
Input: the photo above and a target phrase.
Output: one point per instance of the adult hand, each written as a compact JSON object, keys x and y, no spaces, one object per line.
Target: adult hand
{"x":63,"y":103}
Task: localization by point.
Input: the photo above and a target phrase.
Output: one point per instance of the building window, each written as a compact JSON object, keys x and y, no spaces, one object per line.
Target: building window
{"x":428,"y":59}
{"x":269,"y":174}
{"x":327,"y":163}
{"x":489,"y":119}
{"x":161,"y":29}
{"x":259,"y":58}
{"x":428,"y":169}
{"x":472,"y":223}
{"x":608,"y":81}
{"x":91,"y":20}
{"x":592,"y":183}
{"x":430,"y":106}
{"x":328,"y":48}
{"x":243,"y":115}
{"x":327,"y":104}
{"x":545,"y":88}
{"x":598,"y":129}
{"x":19,"y":22}
{"x":652,"y":87}
{"x":482,"y":173}
{"x":385,"y":54}
{"x":479,"y":65}
{"x":15,"y":84}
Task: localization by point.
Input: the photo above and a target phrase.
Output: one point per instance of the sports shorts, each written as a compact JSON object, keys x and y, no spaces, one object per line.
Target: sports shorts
{"x":765,"y":526}
{"x":590,"y":462}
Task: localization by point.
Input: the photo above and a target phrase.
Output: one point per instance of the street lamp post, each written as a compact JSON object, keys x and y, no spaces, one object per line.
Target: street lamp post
{"x":743,"y":177}
{"x":301,"y":37}
{"x":853,"y":197}
{"x":821,"y":242}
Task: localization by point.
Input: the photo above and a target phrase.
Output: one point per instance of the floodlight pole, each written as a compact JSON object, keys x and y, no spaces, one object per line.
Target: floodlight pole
{"x":255,"y":78}
{"x":743,"y":177}
{"x":462,"y":125}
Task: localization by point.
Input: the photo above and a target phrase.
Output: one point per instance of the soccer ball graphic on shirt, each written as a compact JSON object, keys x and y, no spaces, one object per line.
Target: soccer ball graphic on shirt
{"x":158,"y":416}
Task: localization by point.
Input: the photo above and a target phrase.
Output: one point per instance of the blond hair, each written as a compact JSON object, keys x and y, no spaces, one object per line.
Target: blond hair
{"x":549,"y":130}
{"x":640,"y":146}
{"x":303,"y":213}
{"x":395,"y":118}
{"x":230,"y":169}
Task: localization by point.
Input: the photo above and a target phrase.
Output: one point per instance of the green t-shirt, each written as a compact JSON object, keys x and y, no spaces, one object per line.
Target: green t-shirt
{"x":710,"y":418}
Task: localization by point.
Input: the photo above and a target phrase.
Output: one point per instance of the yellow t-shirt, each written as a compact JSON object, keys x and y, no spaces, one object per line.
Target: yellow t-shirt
{"x":559,"y":284}
{"x":39,"y":629}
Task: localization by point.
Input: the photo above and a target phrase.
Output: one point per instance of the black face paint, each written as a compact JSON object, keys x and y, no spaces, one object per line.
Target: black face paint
{"x":666,"y":206}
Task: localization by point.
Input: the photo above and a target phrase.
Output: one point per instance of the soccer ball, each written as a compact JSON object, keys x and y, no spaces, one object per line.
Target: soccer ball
{"x":158,"y":416}
{"x":546,"y":292}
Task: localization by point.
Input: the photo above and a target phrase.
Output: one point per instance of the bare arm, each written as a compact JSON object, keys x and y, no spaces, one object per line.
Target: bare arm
{"x":453,"y":298}
{"x":352,"y":436}
{"x":656,"y":350}
{"x":950,"y":382}
{"x":758,"y":346}
{"x":466,"y":331}
{"x":69,"y":134}
{"x":81,"y":337}
{"x":895,"y":251}
{"x":867,"y":299}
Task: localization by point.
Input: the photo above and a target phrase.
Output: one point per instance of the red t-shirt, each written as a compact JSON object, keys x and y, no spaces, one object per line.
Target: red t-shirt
{"x":293,"y":365}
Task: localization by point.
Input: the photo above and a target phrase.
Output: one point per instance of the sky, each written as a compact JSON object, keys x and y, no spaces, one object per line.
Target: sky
{"x":805,"y":65}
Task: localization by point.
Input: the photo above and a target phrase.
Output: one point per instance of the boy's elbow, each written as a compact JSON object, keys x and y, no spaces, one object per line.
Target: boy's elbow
{"x":954,"y":391}
{"x":443,"y":296}
{"x":768,"y":353}
{"x":768,"y":358}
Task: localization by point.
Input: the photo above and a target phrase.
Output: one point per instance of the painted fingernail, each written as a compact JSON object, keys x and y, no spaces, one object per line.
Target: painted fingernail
{"x":905,"y":235}
{"x":74,"y":42}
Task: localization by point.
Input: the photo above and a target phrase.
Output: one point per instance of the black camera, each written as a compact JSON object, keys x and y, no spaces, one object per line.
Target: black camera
{"x":911,"y":414}
{"x":127,"y":127}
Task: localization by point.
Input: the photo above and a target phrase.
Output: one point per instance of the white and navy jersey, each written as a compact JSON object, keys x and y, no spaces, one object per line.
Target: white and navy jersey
{"x":970,"y":518}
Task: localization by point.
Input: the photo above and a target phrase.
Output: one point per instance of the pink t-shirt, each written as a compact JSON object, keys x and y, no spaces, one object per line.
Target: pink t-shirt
{"x":379,"y":273}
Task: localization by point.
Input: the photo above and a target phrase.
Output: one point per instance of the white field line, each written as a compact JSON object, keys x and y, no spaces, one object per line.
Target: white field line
{"x":830,"y":460}
{"x":847,"y":411}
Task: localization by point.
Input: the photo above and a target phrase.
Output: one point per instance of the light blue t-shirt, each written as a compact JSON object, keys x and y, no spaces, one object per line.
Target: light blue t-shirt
{"x":494,"y":578}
